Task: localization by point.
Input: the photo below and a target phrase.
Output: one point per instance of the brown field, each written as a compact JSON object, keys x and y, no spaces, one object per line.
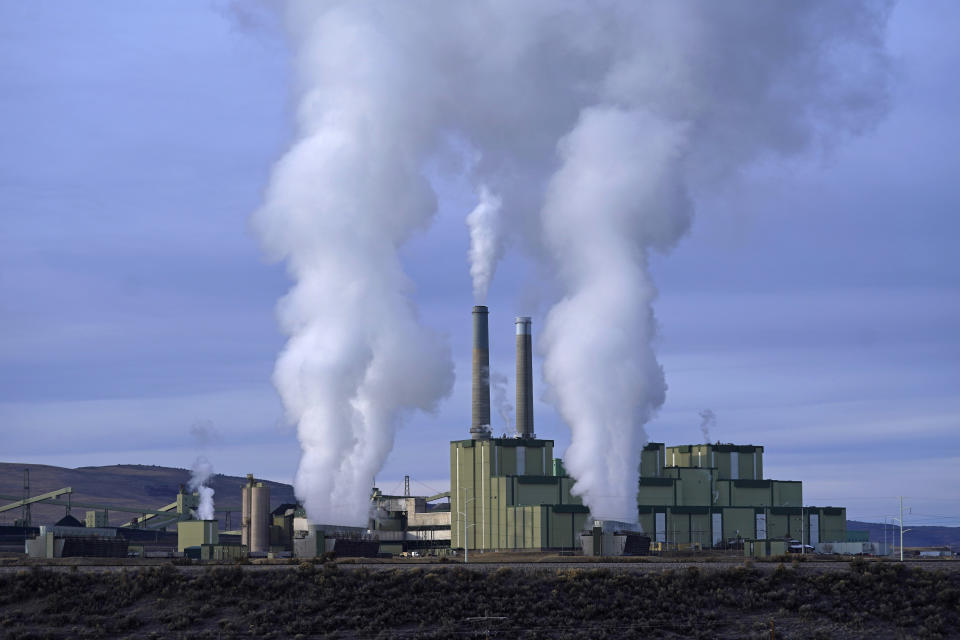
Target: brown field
{"x":861,"y":599}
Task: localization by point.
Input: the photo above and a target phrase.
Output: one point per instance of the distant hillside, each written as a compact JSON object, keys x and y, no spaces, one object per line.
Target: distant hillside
{"x":124,"y":485}
{"x":917,"y":536}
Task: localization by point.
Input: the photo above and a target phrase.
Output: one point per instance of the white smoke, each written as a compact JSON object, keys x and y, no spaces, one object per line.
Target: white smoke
{"x":701,"y":90}
{"x":485,"y":242}
{"x":601,"y":214}
{"x":339,"y":206}
{"x":498,"y":393}
{"x":202,"y":470}
{"x":597,"y":126}
{"x":707,"y":419}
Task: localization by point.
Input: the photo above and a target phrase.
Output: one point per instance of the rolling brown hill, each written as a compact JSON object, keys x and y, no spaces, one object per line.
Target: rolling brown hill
{"x":123,"y":485}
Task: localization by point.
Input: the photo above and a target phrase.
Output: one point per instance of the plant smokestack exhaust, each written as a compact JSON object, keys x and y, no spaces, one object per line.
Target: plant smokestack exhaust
{"x":589,"y":134}
{"x":485,"y":242}
{"x":202,"y":470}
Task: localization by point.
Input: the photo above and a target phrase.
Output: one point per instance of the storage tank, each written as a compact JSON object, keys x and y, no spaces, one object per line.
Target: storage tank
{"x":255,"y":515}
{"x":260,"y":518}
{"x":246,"y":493}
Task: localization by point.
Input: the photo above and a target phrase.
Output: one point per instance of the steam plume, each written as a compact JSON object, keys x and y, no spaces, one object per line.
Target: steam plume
{"x":707,"y":419}
{"x":498,"y":389}
{"x":596,"y":126}
{"x":202,"y":470}
{"x":484,"y":223}
{"x":340,"y":204}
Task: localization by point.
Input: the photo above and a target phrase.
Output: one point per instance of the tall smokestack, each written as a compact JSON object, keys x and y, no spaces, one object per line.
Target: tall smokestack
{"x":524,"y":378}
{"x":480,"y":426}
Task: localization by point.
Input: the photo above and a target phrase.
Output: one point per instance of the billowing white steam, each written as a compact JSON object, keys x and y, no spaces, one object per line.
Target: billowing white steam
{"x":595,"y":128}
{"x":340,"y":204}
{"x":485,"y":242}
{"x":202,"y":470}
{"x":602,"y":214}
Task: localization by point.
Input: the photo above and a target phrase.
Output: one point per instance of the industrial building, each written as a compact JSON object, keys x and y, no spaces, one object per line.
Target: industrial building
{"x":509,"y":493}
{"x":314,"y":540}
{"x":506,"y":493}
{"x":411,"y":524}
{"x":715,"y":495}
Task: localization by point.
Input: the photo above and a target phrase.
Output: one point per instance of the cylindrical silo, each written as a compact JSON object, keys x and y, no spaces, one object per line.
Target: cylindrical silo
{"x":246,"y":493}
{"x":260,"y":518}
{"x":480,"y":424}
{"x":524,"y":378}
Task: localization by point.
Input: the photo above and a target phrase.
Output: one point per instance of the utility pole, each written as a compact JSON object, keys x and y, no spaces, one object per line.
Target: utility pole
{"x":901,"y":528}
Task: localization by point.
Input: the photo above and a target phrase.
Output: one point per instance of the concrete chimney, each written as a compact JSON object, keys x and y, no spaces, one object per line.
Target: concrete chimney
{"x":524,"y":378}
{"x":480,"y":425}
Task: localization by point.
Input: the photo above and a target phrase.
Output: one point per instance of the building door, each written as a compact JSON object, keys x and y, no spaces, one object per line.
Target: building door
{"x":761,"y":526}
{"x":661,"y":527}
{"x":814,"y":529}
{"x":717,"y":526}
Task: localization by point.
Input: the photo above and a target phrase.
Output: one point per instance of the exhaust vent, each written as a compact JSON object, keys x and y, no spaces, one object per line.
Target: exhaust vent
{"x":524,"y":378}
{"x":480,"y":424}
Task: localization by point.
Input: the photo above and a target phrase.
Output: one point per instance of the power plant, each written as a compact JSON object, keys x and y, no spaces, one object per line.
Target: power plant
{"x":506,"y":494}
{"x":715,"y":495}
{"x":509,"y":493}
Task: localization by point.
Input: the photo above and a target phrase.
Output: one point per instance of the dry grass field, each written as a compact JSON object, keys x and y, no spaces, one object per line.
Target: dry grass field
{"x":874,"y":600}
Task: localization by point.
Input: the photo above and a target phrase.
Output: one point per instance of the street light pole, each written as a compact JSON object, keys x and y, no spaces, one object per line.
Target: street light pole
{"x":466,"y":526}
{"x":901,"y":528}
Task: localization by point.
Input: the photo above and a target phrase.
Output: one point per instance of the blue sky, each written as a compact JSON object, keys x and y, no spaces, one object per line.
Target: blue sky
{"x":813,"y":307}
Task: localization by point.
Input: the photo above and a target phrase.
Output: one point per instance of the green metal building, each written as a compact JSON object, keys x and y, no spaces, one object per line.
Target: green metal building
{"x":510,"y":493}
{"x":193,"y":533}
{"x":712,"y":494}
